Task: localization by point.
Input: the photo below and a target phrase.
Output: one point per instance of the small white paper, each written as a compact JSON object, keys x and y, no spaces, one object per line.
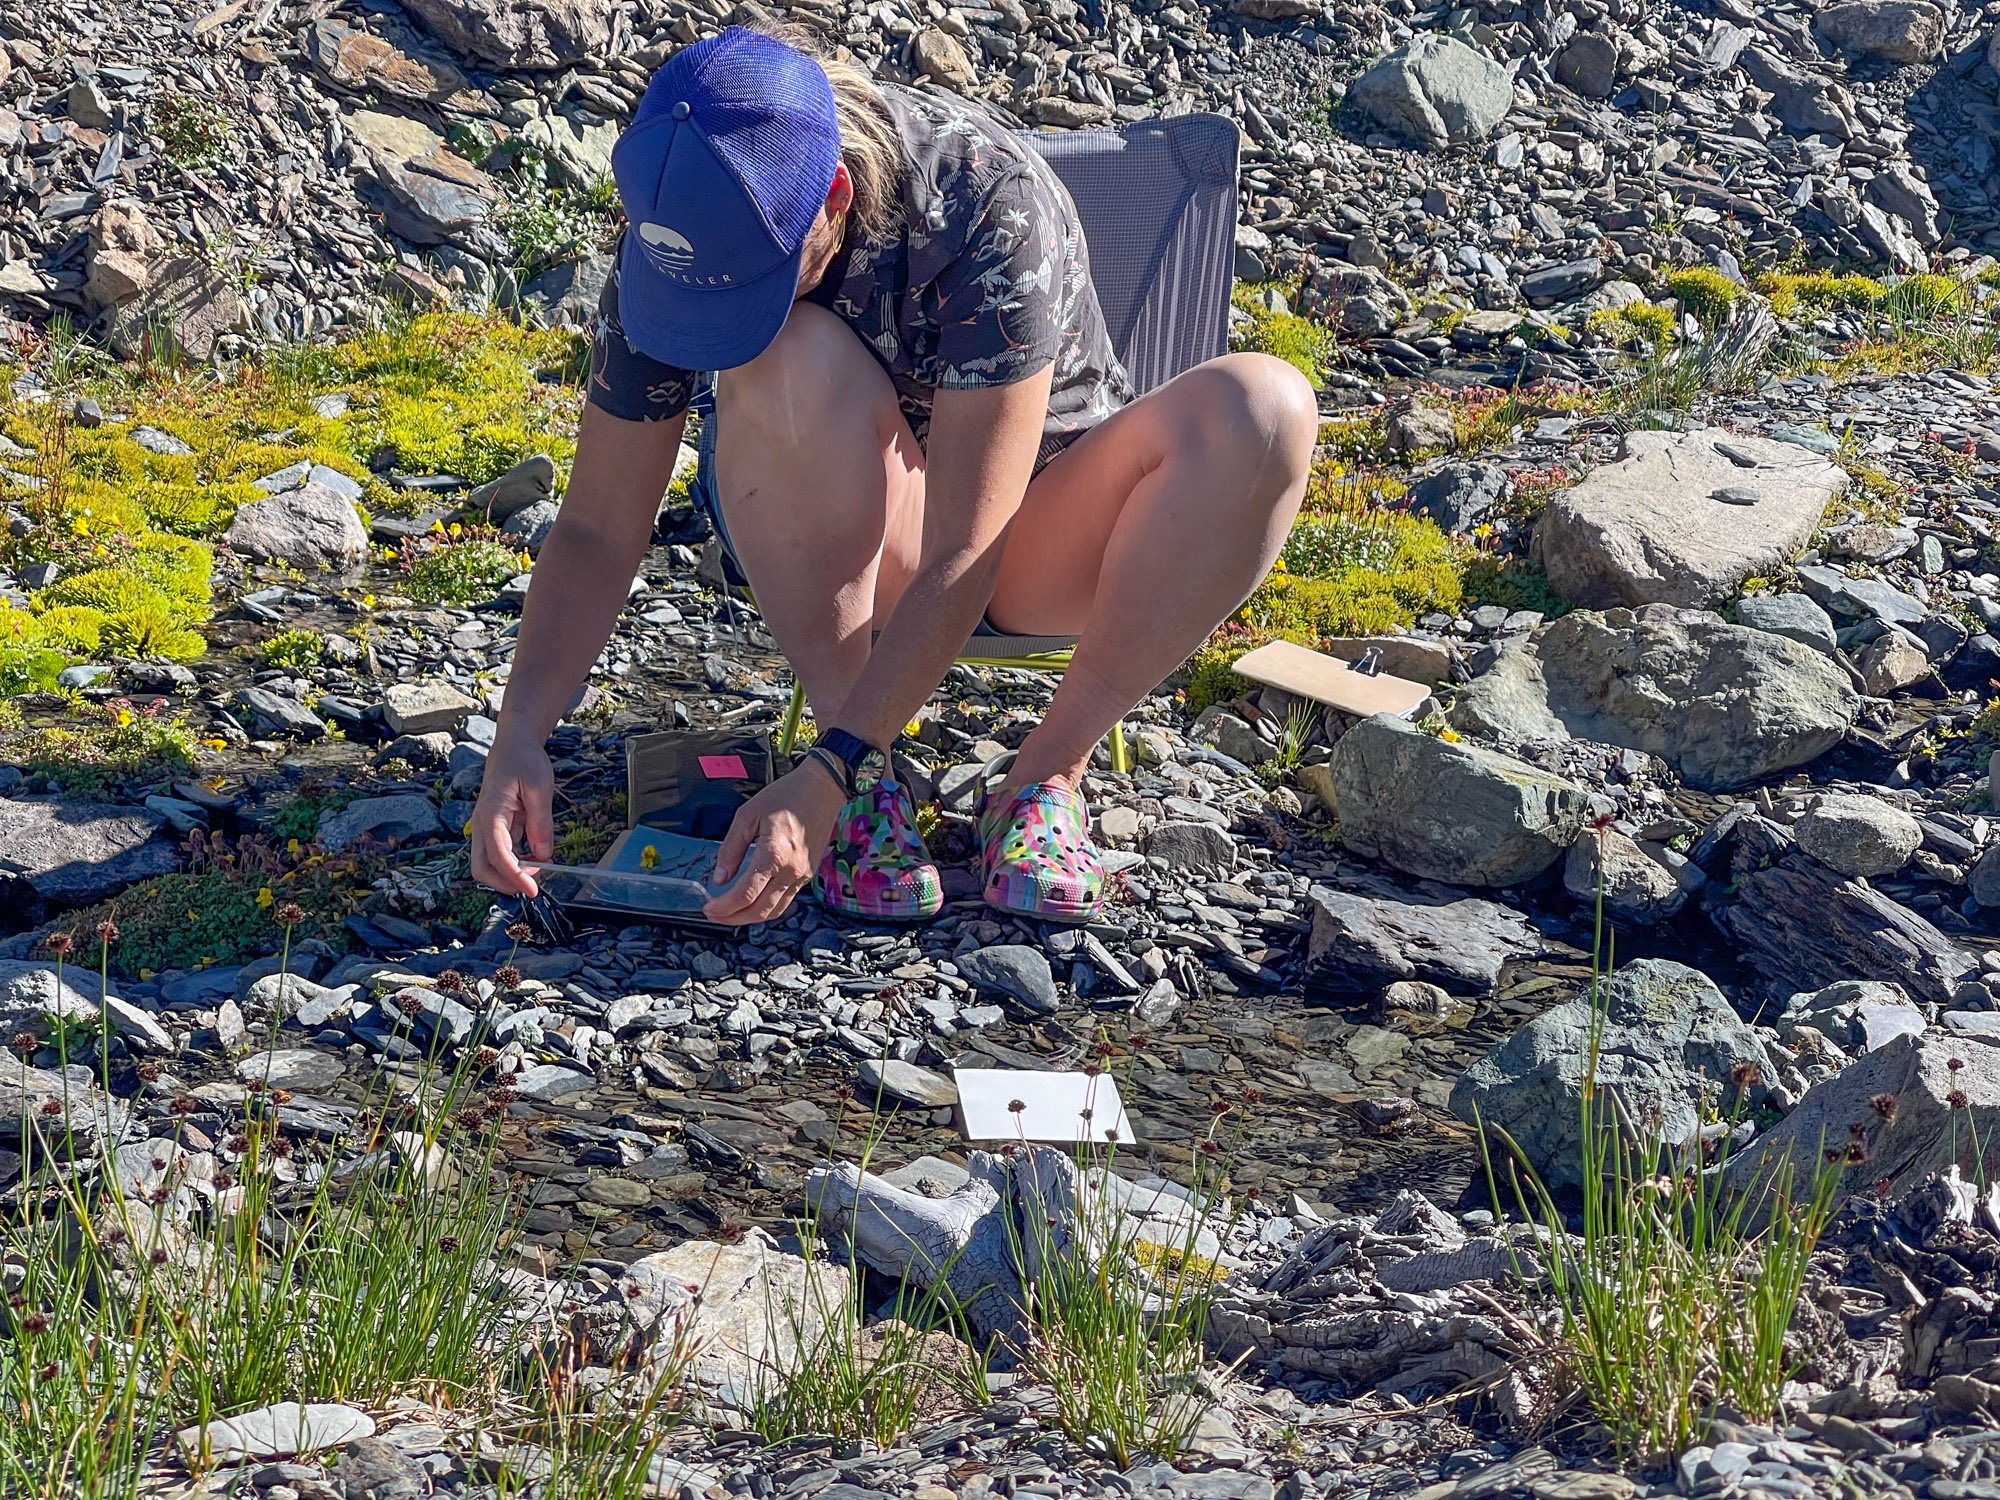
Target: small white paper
{"x":1068,"y":1107}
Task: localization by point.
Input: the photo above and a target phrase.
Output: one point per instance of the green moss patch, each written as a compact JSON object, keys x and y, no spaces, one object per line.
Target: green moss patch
{"x":1306,"y":346}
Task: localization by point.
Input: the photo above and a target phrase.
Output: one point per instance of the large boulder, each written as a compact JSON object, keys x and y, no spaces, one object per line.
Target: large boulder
{"x":35,"y":1002}
{"x":1904,"y":31}
{"x":520,"y":33}
{"x":80,"y":852}
{"x":1946,"y":1099}
{"x":1667,"y":1039}
{"x":1683,"y":518}
{"x":313,"y":526}
{"x":1635,"y":886}
{"x":1458,"y":813}
{"x":1436,"y":91}
{"x":1363,"y":942}
{"x":1724,"y":705}
{"x":185,"y":304}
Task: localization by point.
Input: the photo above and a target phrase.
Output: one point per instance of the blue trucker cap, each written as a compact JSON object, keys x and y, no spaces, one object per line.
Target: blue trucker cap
{"x":723,"y":169}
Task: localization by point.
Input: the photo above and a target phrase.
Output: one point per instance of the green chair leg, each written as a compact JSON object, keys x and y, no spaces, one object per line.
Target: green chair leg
{"x":1121,"y":759}
{"x":794,"y":711}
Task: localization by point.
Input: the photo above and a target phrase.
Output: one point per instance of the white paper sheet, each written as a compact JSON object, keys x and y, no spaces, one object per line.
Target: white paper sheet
{"x":1065,"y":1107}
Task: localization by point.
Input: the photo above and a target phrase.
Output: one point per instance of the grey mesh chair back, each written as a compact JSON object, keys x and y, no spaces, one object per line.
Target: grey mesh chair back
{"x":1158,"y":204}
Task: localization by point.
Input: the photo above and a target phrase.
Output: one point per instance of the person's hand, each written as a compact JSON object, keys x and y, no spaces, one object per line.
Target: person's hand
{"x":789,"y":822}
{"x":515,"y":798}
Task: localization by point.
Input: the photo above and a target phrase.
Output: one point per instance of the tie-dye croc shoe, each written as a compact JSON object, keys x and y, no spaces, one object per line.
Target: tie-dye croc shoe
{"x":1039,"y":859}
{"x":876,"y":867}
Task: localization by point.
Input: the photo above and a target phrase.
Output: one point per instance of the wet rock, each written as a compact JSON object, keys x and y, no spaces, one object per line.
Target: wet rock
{"x":80,"y":852}
{"x":402,"y":817}
{"x":1450,"y":812}
{"x":273,"y":713}
{"x":312,"y":526}
{"x":1648,"y":529}
{"x":1860,"y":836}
{"x":1724,"y":705}
{"x":1362,"y":943}
{"x":1667,"y":1037}
{"x":1436,"y":91}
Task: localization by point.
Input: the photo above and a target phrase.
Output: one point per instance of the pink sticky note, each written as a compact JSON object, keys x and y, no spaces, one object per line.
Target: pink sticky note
{"x":724,"y":768}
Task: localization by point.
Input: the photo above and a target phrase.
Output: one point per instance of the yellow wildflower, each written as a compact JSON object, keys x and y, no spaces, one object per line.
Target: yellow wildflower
{"x":367,"y":601}
{"x":264,"y":896}
{"x":648,"y":857}
{"x":291,"y":848}
{"x":124,"y":718}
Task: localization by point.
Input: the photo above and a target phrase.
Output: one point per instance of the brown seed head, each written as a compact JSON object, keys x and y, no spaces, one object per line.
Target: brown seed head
{"x":507,"y":977}
{"x":107,"y":932}
{"x":147,"y":1072}
{"x":1745,"y":1075}
{"x":224,"y":1179}
{"x":52,"y":1106}
{"x":26,"y":1042}
{"x":448,"y":1243}
{"x":61,"y":944}
{"x":35,"y":1322}
{"x":1884,"y":1104}
{"x":184,"y":1104}
{"x":289,"y":914}
{"x":1956,"y":1099}
{"x":450,"y":982}
{"x":520,"y":932}
{"x":1955,"y":1064}
{"x":1016,"y":1106}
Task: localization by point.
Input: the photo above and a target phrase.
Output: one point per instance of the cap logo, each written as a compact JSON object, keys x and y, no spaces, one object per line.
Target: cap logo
{"x":666,"y":248}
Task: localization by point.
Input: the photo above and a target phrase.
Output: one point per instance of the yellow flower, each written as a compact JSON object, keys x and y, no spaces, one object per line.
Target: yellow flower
{"x":193,"y":915}
{"x":124,"y":718}
{"x":648,"y":857}
{"x":912,"y":729}
{"x":216,"y":744}
{"x":264,"y":896}
{"x":466,"y":831}
{"x":291,"y":848}
{"x":1449,"y":736}
{"x":455,"y":530}
{"x":367,"y":601}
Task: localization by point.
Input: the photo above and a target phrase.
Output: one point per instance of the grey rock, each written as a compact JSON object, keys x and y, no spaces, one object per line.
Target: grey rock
{"x":306,"y":1069}
{"x":372,"y":1469}
{"x":80,"y":852}
{"x":402,"y":816}
{"x":520,"y":33}
{"x":1015,"y":970}
{"x":1904,"y":31}
{"x":1648,"y":528}
{"x":904,"y":1083}
{"x":1860,"y":598}
{"x":1891,"y":663}
{"x":1793,"y":616}
{"x":1360,"y":944}
{"x":1189,"y":845}
{"x":1637,"y":887}
{"x":32,"y":1000}
{"x":1859,"y":836}
{"x":309,"y":527}
{"x":1667,"y":1037}
{"x":1854,"y":1013}
{"x":531,"y":524}
{"x":1457,"y":813}
{"x":1726,"y":706}
{"x":1588,"y":63}
{"x":273,"y":713}
{"x":1808,"y":103}
{"x":1983,"y":878}
{"x":1928,"y":1134}
{"x":1459,"y":497}
{"x":277,"y":1431}
{"x":424,"y":707}
{"x":1552,"y":284}
{"x":531,"y":480}
{"x":1436,"y":91}
{"x":1222,"y":730}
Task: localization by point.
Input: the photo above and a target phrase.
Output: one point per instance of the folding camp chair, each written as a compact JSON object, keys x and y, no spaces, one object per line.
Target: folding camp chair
{"x":1158,"y":204}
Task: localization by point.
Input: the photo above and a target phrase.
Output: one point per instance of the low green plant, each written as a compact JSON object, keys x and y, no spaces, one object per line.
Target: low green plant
{"x":1675,"y":1296}
{"x":100,"y":747}
{"x":1308,"y":347}
{"x":547,"y":224}
{"x":1514,"y":583}
{"x":217,"y":911}
{"x":1793,"y":292}
{"x":1707,"y":294}
{"x":293,"y":650}
{"x":460,"y":565}
{"x":240,"y":1273}
{"x":192,"y":132}
{"x":1646,"y":324}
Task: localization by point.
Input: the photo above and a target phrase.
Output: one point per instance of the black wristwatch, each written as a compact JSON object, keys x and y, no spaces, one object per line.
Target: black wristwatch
{"x":850,"y":750}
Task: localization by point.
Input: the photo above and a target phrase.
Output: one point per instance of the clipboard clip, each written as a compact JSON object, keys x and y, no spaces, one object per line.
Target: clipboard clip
{"x":1370,"y":664}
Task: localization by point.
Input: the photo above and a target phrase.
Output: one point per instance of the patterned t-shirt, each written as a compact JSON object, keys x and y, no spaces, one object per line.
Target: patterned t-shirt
{"x":985,"y":280}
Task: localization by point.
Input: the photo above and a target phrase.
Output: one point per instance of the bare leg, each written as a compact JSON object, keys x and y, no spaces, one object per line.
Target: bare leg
{"x":1146,"y":534}
{"x":822,"y":488}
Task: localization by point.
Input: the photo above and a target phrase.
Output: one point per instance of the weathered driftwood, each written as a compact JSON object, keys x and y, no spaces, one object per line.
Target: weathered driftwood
{"x":987,"y":1242}
{"x":1803,"y":926}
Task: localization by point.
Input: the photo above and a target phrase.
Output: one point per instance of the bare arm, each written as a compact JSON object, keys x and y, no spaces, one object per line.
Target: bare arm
{"x":982,"y":455}
{"x":580,"y":585}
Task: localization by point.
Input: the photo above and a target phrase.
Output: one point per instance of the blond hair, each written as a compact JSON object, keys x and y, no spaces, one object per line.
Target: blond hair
{"x":869,"y":144}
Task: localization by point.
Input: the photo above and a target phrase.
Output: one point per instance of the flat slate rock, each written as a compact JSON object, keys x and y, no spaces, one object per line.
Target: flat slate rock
{"x":282,"y":1430}
{"x":80,"y":852}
